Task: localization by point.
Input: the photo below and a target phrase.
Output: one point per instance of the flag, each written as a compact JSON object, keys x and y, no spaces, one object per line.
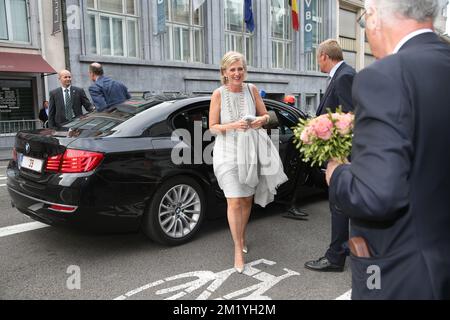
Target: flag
{"x":161,"y":17}
{"x":294,"y":10}
{"x":248,"y":16}
{"x":197,"y":4}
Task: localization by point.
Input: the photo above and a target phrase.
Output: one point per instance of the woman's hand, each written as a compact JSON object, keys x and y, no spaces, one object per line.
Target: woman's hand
{"x":239,"y":125}
{"x":259,"y":122}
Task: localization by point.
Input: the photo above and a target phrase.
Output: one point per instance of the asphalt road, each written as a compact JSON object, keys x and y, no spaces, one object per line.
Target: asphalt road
{"x":59,"y":263}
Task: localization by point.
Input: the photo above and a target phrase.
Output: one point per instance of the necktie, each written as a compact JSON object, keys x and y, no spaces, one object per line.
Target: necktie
{"x":68,"y":109}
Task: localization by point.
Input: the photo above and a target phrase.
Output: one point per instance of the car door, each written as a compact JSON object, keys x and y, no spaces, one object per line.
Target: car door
{"x":282,"y":135}
{"x":195,"y":120}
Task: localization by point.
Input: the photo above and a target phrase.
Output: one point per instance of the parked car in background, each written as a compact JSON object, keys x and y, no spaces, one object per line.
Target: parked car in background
{"x":114,"y":170}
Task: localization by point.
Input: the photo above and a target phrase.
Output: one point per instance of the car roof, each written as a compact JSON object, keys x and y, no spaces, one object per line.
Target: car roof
{"x":159,"y":112}
{"x":158,"y":109}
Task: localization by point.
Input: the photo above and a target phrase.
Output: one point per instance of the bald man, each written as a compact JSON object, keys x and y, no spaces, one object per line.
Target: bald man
{"x":66,"y":101}
{"x":105,"y":92}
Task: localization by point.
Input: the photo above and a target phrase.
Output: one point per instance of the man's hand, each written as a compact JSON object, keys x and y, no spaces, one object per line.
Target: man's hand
{"x":331,"y":166}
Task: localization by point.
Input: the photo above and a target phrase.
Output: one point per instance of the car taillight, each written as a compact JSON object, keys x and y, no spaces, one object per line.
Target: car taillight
{"x":80,"y":161}
{"x":53,"y":163}
{"x":14,"y":154}
{"x":74,"y":161}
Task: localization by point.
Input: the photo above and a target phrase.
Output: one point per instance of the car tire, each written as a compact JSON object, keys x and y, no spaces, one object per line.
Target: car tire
{"x":176,"y":211}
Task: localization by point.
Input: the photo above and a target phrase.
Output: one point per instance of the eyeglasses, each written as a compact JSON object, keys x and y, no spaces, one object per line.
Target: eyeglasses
{"x":361,"y":20}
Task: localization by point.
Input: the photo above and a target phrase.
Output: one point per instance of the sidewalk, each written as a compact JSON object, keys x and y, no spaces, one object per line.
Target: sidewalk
{"x":5,"y":154}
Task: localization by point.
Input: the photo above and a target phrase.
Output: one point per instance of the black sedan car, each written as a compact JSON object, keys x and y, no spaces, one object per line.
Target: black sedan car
{"x":115,"y":170}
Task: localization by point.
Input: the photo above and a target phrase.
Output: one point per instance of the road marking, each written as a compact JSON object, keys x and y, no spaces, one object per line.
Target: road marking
{"x":2,"y":185}
{"x":345,"y":296}
{"x":202,"y":278}
{"x":2,"y":178}
{"x":24,"y":227}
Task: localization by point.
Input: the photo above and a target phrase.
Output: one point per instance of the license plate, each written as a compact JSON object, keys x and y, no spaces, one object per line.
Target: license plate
{"x":31,"y":164}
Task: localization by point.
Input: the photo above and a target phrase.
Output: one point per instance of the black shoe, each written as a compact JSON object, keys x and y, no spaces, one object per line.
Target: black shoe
{"x":322,"y":264}
{"x":297,"y":212}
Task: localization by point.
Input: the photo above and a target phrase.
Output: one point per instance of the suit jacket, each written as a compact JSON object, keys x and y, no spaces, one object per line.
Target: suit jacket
{"x":57,"y":114}
{"x":106,"y":92}
{"x":396,"y":189}
{"x":339,"y":91}
{"x":43,"y":115}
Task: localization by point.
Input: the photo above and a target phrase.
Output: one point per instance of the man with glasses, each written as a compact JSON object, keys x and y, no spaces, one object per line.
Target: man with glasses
{"x":396,"y":189}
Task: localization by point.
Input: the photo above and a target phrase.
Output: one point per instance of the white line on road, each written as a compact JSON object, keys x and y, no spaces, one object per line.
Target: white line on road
{"x":2,"y":178}
{"x":345,"y":296}
{"x":24,"y":227}
{"x":2,"y":185}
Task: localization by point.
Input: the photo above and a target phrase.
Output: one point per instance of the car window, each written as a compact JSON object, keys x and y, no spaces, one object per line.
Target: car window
{"x":286,"y":120}
{"x":186,"y":119}
{"x":93,"y":123}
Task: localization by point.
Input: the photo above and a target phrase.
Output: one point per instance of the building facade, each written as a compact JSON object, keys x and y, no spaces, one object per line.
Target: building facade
{"x":124,"y":35}
{"x":29,"y":54}
{"x":168,"y":46}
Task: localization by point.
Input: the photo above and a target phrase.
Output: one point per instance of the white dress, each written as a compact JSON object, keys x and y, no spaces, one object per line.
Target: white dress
{"x":246,"y":163}
{"x":225,"y":148}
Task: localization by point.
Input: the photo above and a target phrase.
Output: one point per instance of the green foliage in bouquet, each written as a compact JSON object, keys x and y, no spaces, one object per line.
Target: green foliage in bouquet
{"x":325,"y":137}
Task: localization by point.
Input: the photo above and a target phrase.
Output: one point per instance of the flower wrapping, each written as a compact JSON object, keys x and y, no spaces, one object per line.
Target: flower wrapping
{"x":325,"y":137}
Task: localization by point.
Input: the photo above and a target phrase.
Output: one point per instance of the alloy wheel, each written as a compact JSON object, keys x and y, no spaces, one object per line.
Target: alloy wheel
{"x":179,"y":211}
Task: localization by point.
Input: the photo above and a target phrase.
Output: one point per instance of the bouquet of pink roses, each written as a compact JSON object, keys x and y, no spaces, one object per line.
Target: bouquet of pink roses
{"x":325,"y":137}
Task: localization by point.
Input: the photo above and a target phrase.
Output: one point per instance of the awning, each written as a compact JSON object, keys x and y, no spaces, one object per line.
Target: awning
{"x":23,"y":62}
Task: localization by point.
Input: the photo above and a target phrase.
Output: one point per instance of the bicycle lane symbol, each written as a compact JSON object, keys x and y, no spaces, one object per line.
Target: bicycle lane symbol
{"x":255,"y":292}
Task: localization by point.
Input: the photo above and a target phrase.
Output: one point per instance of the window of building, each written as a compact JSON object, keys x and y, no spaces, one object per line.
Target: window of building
{"x":320,"y":31}
{"x":281,"y":34}
{"x":347,"y":36}
{"x":368,"y":59}
{"x":16,"y":101}
{"x":14,"y":21}
{"x":184,"y":38}
{"x":236,"y":36}
{"x":113,"y":28}
{"x":310,"y":105}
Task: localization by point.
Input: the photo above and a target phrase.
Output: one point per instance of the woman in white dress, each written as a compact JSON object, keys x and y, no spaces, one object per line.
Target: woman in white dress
{"x":229,"y":105}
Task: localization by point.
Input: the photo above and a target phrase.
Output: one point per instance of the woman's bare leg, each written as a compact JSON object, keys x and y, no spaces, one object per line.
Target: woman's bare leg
{"x":235,"y":220}
{"x":246,"y":207}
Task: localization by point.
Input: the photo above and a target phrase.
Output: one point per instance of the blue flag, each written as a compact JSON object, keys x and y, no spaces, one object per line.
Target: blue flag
{"x":248,"y":16}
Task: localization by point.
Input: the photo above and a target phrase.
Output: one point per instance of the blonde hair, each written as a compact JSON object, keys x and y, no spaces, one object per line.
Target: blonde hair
{"x":332,"y":49}
{"x":227,"y":60}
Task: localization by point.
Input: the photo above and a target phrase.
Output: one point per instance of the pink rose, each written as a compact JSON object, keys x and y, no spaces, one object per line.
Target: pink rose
{"x":307,"y":134}
{"x":344,"y":123}
{"x":323,"y":127}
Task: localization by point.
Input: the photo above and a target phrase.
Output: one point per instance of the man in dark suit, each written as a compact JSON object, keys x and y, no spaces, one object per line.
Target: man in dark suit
{"x":66,"y":101}
{"x":43,"y":113}
{"x":396,"y":189}
{"x":105,"y":92}
{"x":338,"y":93}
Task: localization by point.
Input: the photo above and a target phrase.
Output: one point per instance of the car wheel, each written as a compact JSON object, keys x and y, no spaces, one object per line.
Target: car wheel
{"x":175,"y":212}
